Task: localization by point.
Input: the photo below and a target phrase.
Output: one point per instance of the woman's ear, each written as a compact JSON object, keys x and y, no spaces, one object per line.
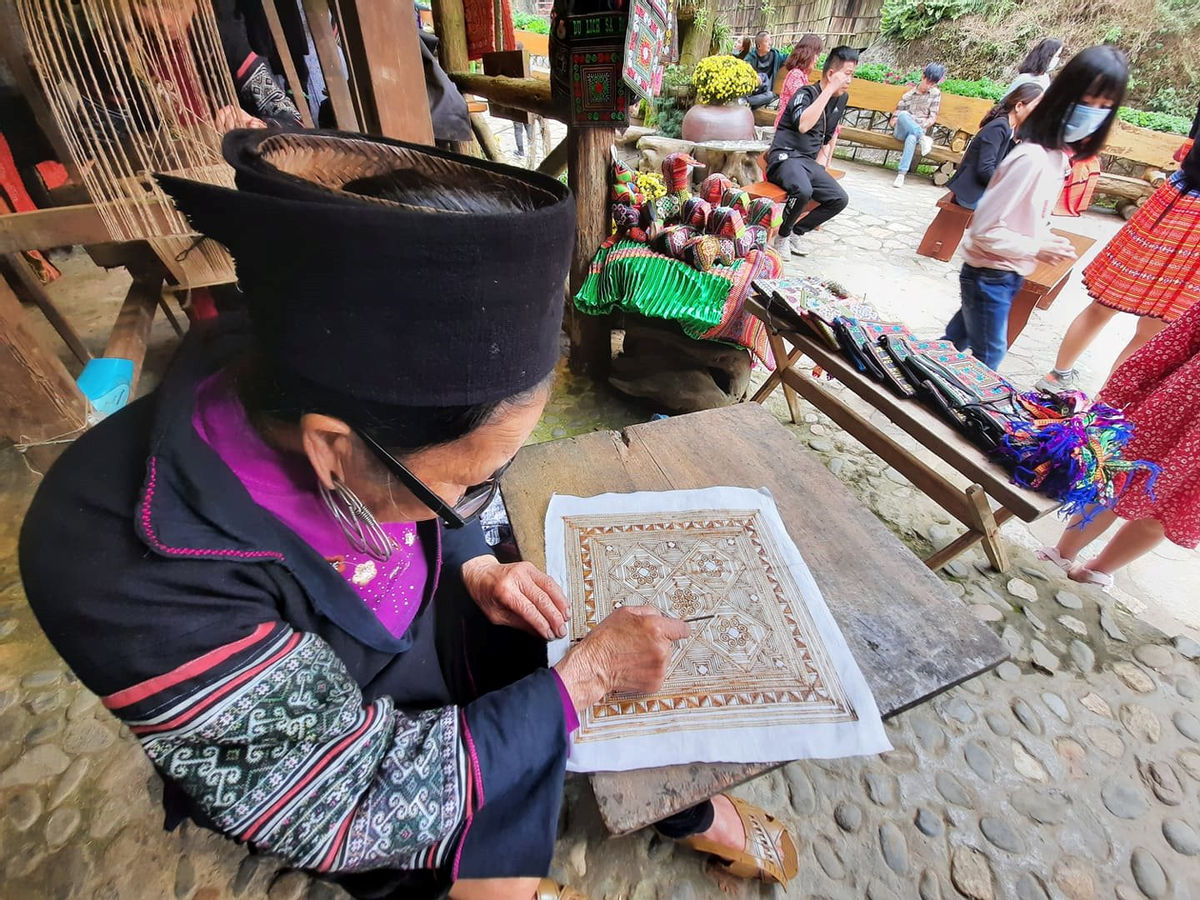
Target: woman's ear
{"x":328,"y":444}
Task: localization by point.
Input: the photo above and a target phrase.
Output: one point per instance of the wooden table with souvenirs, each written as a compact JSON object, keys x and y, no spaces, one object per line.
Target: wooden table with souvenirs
{"x":891,"y":396}
{"x":909,"y":636}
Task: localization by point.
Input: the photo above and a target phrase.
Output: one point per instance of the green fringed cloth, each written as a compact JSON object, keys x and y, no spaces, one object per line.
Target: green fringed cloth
{"x":629,"y":276}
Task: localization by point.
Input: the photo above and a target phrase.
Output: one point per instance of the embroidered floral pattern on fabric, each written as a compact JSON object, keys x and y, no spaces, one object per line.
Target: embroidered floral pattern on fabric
{"x":758,"y":660}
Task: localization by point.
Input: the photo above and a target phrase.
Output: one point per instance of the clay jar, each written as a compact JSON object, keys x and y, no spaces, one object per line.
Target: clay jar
{"x":728,"y":122}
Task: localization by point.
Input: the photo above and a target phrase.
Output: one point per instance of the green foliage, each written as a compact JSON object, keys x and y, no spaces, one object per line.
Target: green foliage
{"x":529,"y":22}
{"x":677,"y":76}
{"x":984,"y":88}
{"x":668,"y":117}
{"x":1173,"y":102}
{"x":722,"y":38}
{"x":912,"y":19}
{"x":1155,"y":121}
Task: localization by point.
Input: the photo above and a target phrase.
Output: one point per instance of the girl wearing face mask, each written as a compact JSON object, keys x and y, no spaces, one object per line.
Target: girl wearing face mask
{"x":1010,"y":232}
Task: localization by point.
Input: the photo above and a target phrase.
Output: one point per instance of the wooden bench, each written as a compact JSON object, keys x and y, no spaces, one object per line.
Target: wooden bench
{"x":945,"y":232}
{"x":1044,"y":284}
{"x":909,"y":636}
{"x":970,"y":504}
{"x":776,"y":194}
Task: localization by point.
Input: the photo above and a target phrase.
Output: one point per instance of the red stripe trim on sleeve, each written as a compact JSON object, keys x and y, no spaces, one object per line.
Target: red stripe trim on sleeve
{"x":249,"y":61}
{"x":198,"y":666}
{"x":227,"y":687}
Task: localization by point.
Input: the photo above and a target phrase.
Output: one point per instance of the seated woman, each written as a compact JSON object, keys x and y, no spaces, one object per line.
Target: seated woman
{"x":991,"y":144}
{"x":275,"y":577}
{"x":798,"y":65}
{"x":915,"y":114}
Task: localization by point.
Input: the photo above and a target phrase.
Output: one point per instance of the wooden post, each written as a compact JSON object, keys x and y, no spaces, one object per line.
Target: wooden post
{"x":589,"y":154}
{"x":131,"y":331}
{"x":450,"y":25}
{"x":316,"y":12}
{"x":285,"y":57}
{"x":39,"y":401}
{"x":385,"y":57}
{"x":26,"y":286}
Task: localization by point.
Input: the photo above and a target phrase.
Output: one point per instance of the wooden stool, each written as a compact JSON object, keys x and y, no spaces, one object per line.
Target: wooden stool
{"x":946,"y":230}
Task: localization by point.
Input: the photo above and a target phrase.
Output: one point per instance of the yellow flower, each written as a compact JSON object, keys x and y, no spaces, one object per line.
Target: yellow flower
{"x":722,"y":79}
{"x":651,"y":185}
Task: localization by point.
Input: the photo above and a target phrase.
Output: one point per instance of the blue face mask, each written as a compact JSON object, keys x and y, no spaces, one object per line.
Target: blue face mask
{"x":1082,"y":121}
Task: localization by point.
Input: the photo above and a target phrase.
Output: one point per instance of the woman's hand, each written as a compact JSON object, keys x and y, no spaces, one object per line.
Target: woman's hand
{"x":1059,"y":249}
{"x":518,"y":595}
{"x":628,"y":651}
{"x":231,"y":117}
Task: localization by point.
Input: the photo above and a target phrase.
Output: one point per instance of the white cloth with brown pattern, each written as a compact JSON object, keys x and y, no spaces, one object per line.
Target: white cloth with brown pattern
{"x":766,"y":675}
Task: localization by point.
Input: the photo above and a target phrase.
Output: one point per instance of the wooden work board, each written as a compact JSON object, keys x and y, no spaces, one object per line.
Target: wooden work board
{"x":911,"y":637}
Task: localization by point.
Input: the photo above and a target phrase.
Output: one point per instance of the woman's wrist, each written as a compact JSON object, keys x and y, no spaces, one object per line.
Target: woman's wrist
{"x":586,"y":682}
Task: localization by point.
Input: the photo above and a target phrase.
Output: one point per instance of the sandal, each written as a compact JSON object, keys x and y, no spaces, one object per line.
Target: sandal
{"x":1051,"y":555}
{"x":549,"y":889}
{"x":1084,"y":575}
{"x":770,"y":851}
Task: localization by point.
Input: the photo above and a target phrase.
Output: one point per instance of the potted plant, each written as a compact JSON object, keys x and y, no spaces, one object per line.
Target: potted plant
{"x":721,"y":113}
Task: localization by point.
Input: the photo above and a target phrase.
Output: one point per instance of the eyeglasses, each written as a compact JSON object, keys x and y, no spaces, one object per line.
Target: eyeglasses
{"x":473,"y":502}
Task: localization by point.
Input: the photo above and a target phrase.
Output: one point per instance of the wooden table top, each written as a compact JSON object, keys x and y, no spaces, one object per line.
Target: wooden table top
{"x":1046,"y":275}
{"x":931,"y":430}
{"x":911,"y":637}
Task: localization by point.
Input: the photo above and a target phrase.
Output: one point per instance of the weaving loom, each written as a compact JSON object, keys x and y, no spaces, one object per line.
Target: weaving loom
{"x":135,"y":86}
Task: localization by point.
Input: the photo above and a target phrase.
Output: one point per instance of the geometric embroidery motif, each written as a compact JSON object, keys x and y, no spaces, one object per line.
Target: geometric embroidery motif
{"x":599,"y":96}
{"x":758,"y":661}
{"x":644,"y":39}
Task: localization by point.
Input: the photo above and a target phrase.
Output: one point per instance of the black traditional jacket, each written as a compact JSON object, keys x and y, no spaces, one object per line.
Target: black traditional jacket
{"x":277,"y":708}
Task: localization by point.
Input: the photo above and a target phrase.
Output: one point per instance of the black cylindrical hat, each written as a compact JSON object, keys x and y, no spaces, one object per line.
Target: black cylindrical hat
{"x":390,"y":272}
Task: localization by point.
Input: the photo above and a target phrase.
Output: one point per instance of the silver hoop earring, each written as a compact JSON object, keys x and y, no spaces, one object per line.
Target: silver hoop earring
{"x":361,"y":529}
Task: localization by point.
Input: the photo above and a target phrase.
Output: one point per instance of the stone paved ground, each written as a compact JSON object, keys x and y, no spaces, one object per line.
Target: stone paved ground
{"x":1071,"y":772}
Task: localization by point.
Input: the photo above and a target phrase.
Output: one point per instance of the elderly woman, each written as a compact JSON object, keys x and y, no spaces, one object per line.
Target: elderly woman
{"x":270,"y":571}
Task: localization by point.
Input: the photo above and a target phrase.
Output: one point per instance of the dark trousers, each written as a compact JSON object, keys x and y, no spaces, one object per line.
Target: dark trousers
{"x":805,"y":179}
{"x":761,"y":98}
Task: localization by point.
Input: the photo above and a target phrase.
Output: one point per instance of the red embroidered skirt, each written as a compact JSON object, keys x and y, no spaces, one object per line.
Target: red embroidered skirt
{"x":1152,"y":266}
{"x":1159,"y":389}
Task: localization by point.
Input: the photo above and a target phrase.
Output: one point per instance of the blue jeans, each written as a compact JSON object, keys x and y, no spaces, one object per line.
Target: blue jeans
{"x":908,"y":131}
{"x":982,"y":323}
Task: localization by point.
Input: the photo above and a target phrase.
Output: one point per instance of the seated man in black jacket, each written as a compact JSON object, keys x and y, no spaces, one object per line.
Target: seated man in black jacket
{"x":798,"y":156}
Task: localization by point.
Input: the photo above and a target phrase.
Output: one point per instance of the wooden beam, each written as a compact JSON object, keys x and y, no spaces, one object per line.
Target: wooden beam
{"x":57,"y":227}
{"x":530,"y":94}
{"x":285,"y":57}
{"x":487,"y":139}
{"x":385,"y":57}
{"x":316,"y":12}
{"x":29,"y":290}
{"x":555,"y":162}
{"x":589,"y":152}
{"x":39,"y":400}
{"x":131,"y":332}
